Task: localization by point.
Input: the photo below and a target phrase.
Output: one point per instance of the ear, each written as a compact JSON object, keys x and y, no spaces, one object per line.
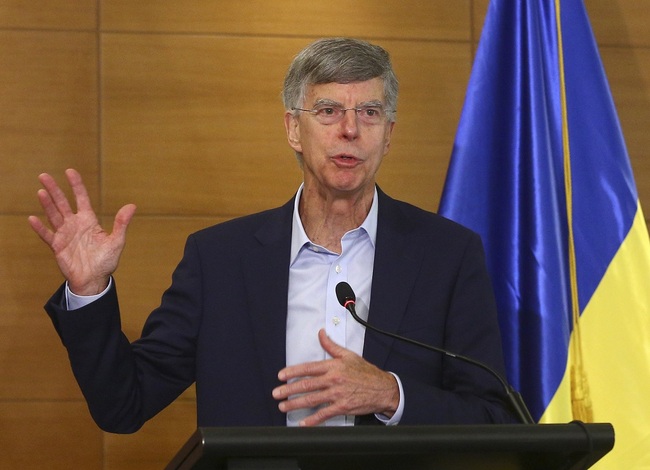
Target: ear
{"x":387,"y":136}
{"x":292,"y":126}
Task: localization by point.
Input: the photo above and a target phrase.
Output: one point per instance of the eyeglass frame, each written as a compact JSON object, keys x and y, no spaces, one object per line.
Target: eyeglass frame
{"x":327,"y":104}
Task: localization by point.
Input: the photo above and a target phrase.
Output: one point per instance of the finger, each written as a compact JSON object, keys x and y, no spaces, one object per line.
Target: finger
{"x":56,"y":194}
{"x":79,"y":190}
{"x":317,"y":367}
{"x":330,"y":346}
{"x":299,"y":387}
{"x":319,"y":416}
{"x":41,"y":230}
{"x":52,"y":214}
{"x":303,"y":370}
{"x":304,"y":401}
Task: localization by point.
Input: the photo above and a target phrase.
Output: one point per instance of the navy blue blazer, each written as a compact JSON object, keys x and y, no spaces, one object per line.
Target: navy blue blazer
{"x":222,"y":324}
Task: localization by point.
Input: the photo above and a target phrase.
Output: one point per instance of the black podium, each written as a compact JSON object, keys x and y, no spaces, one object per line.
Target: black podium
{"x":503,"y":447}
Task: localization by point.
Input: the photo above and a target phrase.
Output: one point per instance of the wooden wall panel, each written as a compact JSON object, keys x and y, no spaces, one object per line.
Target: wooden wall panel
{"x":55,"y":435}
{"x":214,"y":135}
{"x":433,"y":78}
{"x":153,"y":446}
{"x":431,"y":19}
{"x":48,"y":97}
{"x":52,"y":14}
{"x":622,"y":23}
{"x":194,"y":124}
{"x":479,"y":10}
{"x":33,"y":363}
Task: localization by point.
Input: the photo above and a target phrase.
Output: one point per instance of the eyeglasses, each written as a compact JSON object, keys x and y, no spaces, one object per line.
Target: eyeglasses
{"x":332,"y":113}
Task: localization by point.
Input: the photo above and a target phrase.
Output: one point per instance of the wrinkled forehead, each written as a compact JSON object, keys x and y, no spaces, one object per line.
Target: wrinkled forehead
{"x":352,"y":93}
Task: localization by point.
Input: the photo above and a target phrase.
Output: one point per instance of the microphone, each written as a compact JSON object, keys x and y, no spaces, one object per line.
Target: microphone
{"x":347,"y":299}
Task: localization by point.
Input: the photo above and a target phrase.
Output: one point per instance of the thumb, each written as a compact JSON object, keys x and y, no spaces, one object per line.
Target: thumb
{"x":330,"y":346}
{"x":122,"y":220}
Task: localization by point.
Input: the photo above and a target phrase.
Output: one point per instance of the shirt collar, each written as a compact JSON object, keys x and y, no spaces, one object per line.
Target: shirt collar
{"x":299,"y":237}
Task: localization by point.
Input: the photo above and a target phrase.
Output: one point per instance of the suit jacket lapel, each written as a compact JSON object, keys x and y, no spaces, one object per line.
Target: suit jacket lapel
{"x":267,"y":283}
{"x":397,"y":261}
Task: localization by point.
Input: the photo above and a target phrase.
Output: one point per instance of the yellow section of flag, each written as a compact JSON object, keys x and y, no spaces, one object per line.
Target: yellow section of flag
{"x":615,"y":336}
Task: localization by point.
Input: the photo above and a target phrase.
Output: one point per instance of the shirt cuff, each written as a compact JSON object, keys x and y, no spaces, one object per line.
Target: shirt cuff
{"x":75,"y":302}
{"x":400,"y":408}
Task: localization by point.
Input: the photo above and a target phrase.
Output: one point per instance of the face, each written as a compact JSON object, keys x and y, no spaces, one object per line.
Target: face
{"x":340,"y":159}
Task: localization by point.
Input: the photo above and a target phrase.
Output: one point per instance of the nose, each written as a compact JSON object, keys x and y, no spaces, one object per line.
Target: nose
{"x":350,"y":124}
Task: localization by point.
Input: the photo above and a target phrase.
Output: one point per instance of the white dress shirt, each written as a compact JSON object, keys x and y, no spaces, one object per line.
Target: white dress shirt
{"x":313,"y":275}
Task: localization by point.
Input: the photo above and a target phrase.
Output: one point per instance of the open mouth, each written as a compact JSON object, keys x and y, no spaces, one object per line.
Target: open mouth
{"x":346,"y":159}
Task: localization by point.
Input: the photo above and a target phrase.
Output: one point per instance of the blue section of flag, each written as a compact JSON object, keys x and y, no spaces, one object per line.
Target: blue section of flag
{"x":506,"y":180}
{"x":604,"y":192}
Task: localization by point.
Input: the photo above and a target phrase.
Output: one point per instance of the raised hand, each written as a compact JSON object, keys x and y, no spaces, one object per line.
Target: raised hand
{"x":347,"y":384}
{"x":84,"y":252}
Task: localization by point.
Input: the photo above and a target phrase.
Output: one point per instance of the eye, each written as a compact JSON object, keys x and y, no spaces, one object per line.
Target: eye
{"x":326,"y":111}
{"x":371,"y":111}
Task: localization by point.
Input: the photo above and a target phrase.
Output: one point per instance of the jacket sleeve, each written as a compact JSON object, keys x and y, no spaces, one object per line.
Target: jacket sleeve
{"x":124,"y":383}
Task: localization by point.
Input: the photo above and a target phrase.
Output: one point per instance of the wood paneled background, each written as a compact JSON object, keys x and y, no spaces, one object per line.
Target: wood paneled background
{"x":175,"y":106}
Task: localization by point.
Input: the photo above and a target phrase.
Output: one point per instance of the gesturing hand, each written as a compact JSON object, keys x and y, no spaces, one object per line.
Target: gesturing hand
{"x":347,"y":383}
{"x":84,"y":252}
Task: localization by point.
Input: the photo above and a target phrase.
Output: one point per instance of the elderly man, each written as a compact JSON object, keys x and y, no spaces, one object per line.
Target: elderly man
{"x":251,"y":314}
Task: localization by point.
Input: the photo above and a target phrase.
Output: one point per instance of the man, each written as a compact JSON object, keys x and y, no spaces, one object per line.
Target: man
{"x":251,"y":314}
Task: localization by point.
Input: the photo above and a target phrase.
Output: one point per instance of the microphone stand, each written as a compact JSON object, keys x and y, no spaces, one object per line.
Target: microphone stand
{"x":515,"y":399}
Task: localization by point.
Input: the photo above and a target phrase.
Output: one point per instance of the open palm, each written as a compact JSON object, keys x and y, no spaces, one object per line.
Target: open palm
{"x":86,"y":254}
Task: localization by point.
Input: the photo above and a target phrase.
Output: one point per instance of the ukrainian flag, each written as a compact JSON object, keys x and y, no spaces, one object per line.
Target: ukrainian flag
{"x":540,"y":169}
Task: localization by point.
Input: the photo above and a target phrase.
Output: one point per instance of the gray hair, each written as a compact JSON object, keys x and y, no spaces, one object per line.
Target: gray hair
{"x":339,"y":60}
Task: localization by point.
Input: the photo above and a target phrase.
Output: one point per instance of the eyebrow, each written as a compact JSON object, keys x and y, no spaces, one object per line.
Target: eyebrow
{"x":329,"y":102}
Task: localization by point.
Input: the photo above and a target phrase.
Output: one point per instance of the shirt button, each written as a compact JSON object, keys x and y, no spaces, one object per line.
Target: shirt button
{"x":338,"y":269}
{"x":336,"y":321}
